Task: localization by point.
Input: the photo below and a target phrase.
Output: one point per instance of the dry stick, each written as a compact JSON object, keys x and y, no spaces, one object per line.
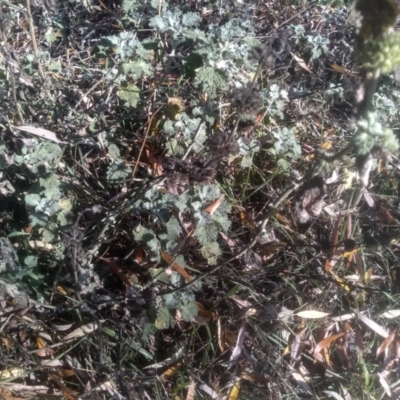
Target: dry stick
{"x":371,"y":83}
{"x":34,"y":44}
{"x":14,"y":94}
{"x":144,"y":143}
{"x":199,"y":127}
{"x":90,"y":90}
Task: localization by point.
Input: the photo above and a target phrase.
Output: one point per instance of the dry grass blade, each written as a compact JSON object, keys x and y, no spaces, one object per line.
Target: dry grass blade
{"x":237,"y":351}
{"x":391,"y":314}
{"x":211,"y":392}
{"x":82,"y":331}
{"x":43,"y":133}
{"x":191,"y":390}
{"x":311,"y":314}
{"x":373,"y":325}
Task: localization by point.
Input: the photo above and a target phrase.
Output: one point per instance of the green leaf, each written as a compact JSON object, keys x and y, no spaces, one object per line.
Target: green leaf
{"x":136,"y":69}
{"x":117,"y":172}
{"x":130,"y":95}
{"x":211,"y":252}
{"x":113,"y":152}
{"x":31,"y":261}
{"x":163,"y":320}
{"x":32,"y":199}
{"x":171,"y":301}
{"x":211,"y":80}
{"x":189,"y":311}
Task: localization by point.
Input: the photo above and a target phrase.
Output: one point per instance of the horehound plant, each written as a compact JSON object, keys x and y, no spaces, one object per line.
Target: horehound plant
{"x":378,"y":50}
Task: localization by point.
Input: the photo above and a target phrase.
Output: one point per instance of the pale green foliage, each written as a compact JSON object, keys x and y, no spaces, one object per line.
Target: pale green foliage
{"x":370,"y":132}
{"x":130,"y":95}
{"x":386,"y":103}
{"x":55,"y":66}
{"x":44,"y":154}
{"x":163,"y":320}
{"x":48,"y":207}
{"x":182,"y":133}
{"x":316,"y":43}
{"x":189,"y":311}
{"x":246,"y":151}
{"x":136,"y":69}
{"x":286,"y":147}
{"x":183,"y":301}
{"x":127,"y":45}
{"x":275,"y":100}
{"x":113,"y":152}
{"x":175,"y":22}
{"x":212,"y":80}
{"x":166,"y":236}
{"x":381,"y":53}
{"x":31,"y":261}
{"x":140,"y":11}
{"x":117,"y":172}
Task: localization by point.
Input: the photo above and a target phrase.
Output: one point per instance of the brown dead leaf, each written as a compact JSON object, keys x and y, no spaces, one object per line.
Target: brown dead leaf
{"x":61,"y":290}
{"x":209,"y":315}
{"x":68,"y":393}
{"x":230,"y":338}
{"x":139,"y":254}
{"x":231,"y":243}
{"x":340,"y":69}
{"x":43,"y":351}
{"x":171,"y":371}
{"x":324,"y":344}
{"x":155,"y":165}
{"x":386,"y":343}
{"x":214,"y":205}
{"x":117,"y":270}
{"x":247,"y":220}
{"x":5,"y":394}
{"x":385,"y":215}
{"x":301,"y":62}
{"x":174,"y":108}
{"x":175,"y":266}
{"x":67,"y":373}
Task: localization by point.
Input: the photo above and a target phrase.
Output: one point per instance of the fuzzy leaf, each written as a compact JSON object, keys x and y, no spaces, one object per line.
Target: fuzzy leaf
{"x":189,"y":311}
{"x":163,"y":320}
{"x":130,"y":95}
{"x":211,"y":80}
